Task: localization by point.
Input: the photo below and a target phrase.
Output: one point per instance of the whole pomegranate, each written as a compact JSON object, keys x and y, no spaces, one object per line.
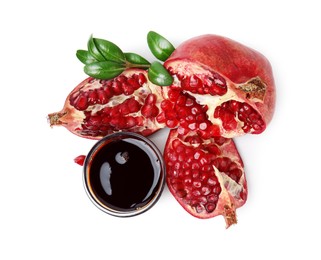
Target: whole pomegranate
{"x":96,"y":107}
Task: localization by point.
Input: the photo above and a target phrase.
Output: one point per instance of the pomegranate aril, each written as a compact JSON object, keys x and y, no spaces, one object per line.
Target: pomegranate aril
{"x":133,"y":105}
{"x":121,"y":78}
{"x":222,"y":163}
{"x":140,"y":78}
{"x":80,"y":160}
{"x":92,"y":97}
{"x":150,"y":99}
{"x":235,"y":174}
{"x":166,"y":105}
{"x":217,"y":189}
{"x":81,"y":102}
{"x":134,"y":82}
{"x":205,"y":190}
{"x":105,"y":120}
{"x":210,"y":207}
{"x":124,"y":109}
{"x":181,"y":100}
{"x":195,"y":82}
{"x":140,"y":122}
{"x":101,"y":97}
{"x":117,"y":87}
{"x":173,"y":94}
{"x":202,"y":200}
{"x":108,"y":92}
{"x":212,"y":181}
{"x":181,"y":193}
{"x":197,"y":184}
{"x":127,"y":89}
{"x":94,"y":120}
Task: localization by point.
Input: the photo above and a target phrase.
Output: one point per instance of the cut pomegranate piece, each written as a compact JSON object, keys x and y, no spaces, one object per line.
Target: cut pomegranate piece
{"x":232,"y":83}
{"x":96,"y":108}
{"x":205,"y":176}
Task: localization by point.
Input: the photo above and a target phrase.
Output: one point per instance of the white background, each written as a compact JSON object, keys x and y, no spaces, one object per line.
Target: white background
{"x":44,"y":211}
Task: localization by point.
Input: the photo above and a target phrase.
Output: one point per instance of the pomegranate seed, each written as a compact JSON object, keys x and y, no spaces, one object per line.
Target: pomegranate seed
{"x":133,"y":105}
{"x":154,"y":111}
{"x":134,"y":83}
{"x":171,"y":123}
{"x":102,"y":97}
{"x":141,"y":79}
{"x":173,"y":94}
{"x":181,"y":100}
{"x":195,"y":82}
{"x":185,"y":83}
{"x":117,"y":88}
{"x":166,"y":105}
{"x":121,"y":78}
{"x":81,"y":102}
{"x":92,"y":97}
{"x":217,"y":189}
{"x":127,"y":89}
{"x":161,"y":117}
{"x":151,"y":99}
{"x":130,"y":121}
{"x":108,"y":92}
{"x":210,"y":207}
{"x":212,"y":181}
{"x":124,"y":109}
{"x":80,"y":160}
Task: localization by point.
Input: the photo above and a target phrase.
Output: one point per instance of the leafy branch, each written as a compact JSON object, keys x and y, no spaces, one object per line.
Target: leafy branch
{"x":105,"y":60}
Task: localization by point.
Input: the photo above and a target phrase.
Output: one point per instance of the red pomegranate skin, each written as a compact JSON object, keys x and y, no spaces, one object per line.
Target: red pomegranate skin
{"x":234,"y":61}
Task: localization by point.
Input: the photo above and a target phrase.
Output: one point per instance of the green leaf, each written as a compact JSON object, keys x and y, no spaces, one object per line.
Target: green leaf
{"x":159,"y":46}
{"x":104,"y":69}
{"x":85,"y":57}
{"x":93,"y":50}
{"x":109,"y":50}
{"x":134,"y":58}
{"x":158,"y":75}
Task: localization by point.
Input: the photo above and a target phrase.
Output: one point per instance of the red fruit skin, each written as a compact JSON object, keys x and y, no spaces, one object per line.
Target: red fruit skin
{"x":234,"y":61}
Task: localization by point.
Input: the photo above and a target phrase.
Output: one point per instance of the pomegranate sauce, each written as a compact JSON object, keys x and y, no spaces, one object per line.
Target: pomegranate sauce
{"x":124,"y":175}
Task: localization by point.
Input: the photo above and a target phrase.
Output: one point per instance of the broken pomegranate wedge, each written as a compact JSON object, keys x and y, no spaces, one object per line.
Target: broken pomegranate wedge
{"x":96,"y":107}
{"x":205,"y":176}
{"x":232,"y":83}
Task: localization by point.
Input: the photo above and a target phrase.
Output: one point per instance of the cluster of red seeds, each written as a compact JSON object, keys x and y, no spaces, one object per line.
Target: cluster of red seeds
{"x":182,"y":110}
{"x":81,"y":100}
{"x":191,"y":172}
{"x":127,"y":114}
{"x":230,"y":110}
{"x":213,"y":85}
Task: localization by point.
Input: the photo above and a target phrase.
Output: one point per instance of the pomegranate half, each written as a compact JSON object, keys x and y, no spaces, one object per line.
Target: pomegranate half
{"x":231,"y":82}
{"x":96,"y":107}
